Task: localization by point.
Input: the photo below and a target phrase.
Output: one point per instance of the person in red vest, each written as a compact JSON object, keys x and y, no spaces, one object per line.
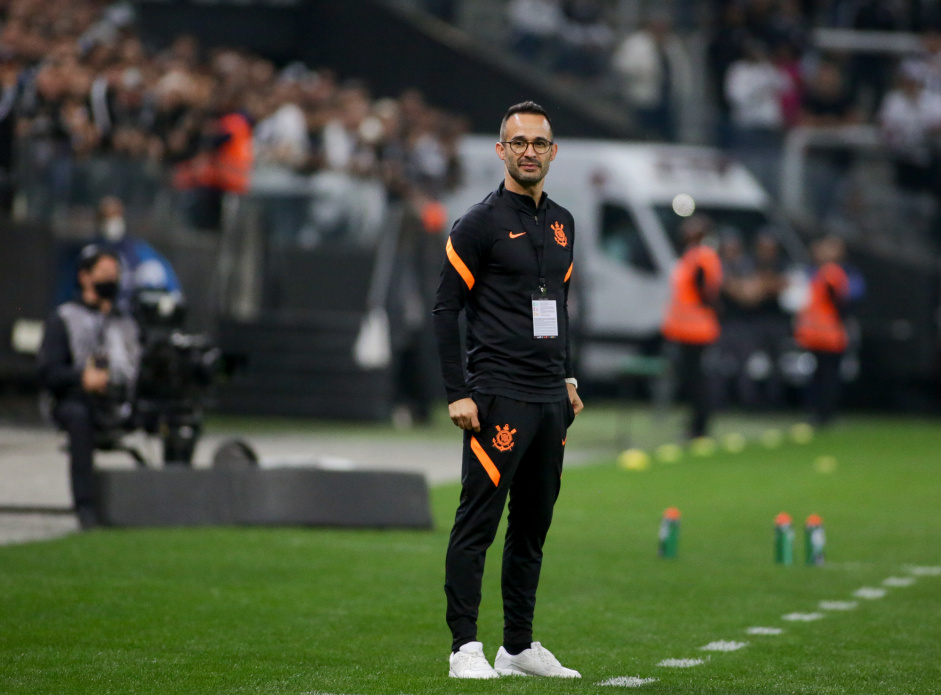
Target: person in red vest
{"x":691,"y":322}
{"x":224,"y":163}
{"x":821,"y":330}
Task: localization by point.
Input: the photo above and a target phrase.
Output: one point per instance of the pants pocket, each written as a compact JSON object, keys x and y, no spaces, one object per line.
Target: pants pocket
{"x":484,"y":406}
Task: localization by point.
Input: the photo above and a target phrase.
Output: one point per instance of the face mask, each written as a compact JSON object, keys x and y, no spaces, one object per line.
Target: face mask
{"x":106,"y":290}
{"x":113,"y":229}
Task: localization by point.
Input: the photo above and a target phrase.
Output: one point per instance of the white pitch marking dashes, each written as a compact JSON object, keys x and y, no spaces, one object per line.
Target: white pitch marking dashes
{"x":869,"y":593}
{"x":723,"y":646}
{"x":681,"y":663}
{"x":628,"y":681}
{"x":764,"y":631}
{"x":837,"y":605}
{"x":898,"y":582}
{"x":924,"y":571}
{"x":802,"y":617}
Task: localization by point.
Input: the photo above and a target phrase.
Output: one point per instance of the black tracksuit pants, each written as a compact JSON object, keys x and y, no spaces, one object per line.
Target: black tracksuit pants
{"x":76,"y":418}
{"x":517,"y":453}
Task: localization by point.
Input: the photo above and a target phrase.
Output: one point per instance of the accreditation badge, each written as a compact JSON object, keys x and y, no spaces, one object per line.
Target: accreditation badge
{"x":545,"y":316}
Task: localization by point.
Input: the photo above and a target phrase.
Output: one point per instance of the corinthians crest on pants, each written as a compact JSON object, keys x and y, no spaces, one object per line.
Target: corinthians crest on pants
{"x":504,"y":439}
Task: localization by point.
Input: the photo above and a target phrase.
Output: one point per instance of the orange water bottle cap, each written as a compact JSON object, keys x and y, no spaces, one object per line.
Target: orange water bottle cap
{"x":814,"y":520}
{"x":671,"y":513}
{"x":782,"y":519}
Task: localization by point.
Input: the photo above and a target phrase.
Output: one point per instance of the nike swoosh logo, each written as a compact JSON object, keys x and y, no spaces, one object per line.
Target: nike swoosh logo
{"x":518,"y":234}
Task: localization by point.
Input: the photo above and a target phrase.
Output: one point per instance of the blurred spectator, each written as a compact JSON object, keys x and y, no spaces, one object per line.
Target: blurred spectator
{"x":788,"y":26}
{"x":760,"y":20}
{"x":753,"y":88}
{"x":910,"y":118}
{"x":737,"y":270}
{"x":142,"y":266}
{"x":726,"y":46}
{"x":828,"y":103}
{"x":764,"y":386}
{"x":535,"y":26}
{"x":754,"y":326}
{"x":76,"y":83}
{"x":280,"y":137}
{"x":657,"y":77}
{"x":872,"y":72}
{"x":584,"y":41}
{"x":9,"y":93}
{"x":930,"y":57}
{"x":348,"y":137}
{"x":787,"y":60}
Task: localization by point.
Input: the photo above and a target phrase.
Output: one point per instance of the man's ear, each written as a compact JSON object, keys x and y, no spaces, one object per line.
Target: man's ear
{"x":501,"y":151}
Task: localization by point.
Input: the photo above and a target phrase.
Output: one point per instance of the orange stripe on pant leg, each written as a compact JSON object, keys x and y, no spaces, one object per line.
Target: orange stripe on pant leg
{"x":569,"y":274}
{"x":485,"y":461}
{"x":459,"y":266}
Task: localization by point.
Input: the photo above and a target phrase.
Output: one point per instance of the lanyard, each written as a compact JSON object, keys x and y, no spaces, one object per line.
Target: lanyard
{"x":541,"y":259}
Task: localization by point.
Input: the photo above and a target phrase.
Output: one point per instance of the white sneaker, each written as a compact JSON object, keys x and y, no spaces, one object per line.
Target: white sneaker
{"x":469,"y":662}
{"x":535,"y":661}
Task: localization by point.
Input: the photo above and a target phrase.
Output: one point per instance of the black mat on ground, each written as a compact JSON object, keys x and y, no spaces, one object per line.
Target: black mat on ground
{"x":289,"y":496}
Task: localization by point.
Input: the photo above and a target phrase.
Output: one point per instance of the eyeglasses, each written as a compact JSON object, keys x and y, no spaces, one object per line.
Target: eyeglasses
{"x":540,"y":146}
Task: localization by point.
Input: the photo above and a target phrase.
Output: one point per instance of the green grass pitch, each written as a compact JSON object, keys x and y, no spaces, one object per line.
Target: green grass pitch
{"x":362,"y":612}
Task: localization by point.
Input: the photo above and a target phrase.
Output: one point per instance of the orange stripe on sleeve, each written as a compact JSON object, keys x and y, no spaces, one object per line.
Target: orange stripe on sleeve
{"x":459,"y":265}
{"x":485,"y":461}
{"x":569,"y":274}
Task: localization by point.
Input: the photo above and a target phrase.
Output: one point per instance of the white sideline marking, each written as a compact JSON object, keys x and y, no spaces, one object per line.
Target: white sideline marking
{"x":924,"y":571}
{"x":681,"y":663}
{"x":764,"y":631}
{"x":869,"y":593}
{"x":723,"y":646}
{"x":838,"y":605}
{"x":802,"y":617}
{"x":896,"y":582}
{"x":628,"y":681}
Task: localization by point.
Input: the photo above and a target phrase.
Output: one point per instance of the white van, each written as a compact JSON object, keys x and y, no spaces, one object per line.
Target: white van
{"x":622,"y":196}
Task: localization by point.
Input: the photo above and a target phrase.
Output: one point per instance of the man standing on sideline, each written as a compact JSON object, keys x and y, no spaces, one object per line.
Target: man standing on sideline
{"x":691,"y":322}
{"x":508,"y":266}
{"x":88,"y":361}
{"x":820,"y":327}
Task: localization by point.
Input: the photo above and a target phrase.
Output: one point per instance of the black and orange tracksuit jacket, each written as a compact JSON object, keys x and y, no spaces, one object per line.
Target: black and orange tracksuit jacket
{"x":496,"y":255}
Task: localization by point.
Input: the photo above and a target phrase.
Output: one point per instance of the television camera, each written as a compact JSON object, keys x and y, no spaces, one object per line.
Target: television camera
{"x":176,"y":372}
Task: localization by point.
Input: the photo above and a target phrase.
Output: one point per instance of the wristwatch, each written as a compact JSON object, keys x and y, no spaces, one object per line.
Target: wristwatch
{"x":573,"y":381}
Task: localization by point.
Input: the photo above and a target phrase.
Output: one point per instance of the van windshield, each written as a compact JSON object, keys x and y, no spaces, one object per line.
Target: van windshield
{"x":743,"y":225}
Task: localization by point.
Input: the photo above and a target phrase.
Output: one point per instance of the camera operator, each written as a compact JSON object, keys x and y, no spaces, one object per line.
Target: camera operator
{"x":89,"y":361}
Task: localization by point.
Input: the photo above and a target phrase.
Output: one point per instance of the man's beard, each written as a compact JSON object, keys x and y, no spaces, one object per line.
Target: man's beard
{"x":526,"y":178}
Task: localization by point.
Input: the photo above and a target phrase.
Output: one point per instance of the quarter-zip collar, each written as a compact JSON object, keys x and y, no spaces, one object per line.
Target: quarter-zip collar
{"x":524,"y":203}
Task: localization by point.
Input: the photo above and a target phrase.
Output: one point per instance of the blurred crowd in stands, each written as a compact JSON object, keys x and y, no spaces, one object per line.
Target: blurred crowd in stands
{"x":766,"y":75}
{"x":78,"y":82}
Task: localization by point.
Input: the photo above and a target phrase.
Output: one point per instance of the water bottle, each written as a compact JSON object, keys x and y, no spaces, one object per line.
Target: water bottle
{"x":669,"y":532}
{"x":814,"y":540}
{"x":783,"y":539}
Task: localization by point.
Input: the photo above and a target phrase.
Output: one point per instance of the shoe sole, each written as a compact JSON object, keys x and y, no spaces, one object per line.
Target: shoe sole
{"x":510,"y":672}
{"x":479,"y":678}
